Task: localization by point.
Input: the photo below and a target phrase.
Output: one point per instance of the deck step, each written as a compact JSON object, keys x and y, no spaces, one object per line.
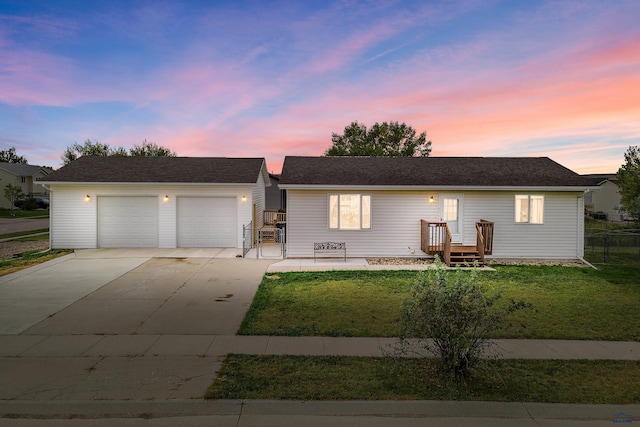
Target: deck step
{"x":463,"y":255}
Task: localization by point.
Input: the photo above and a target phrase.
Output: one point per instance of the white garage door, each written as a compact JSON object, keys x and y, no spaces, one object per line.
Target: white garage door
{"x":127,"y":222}
{"x":207,"y":222}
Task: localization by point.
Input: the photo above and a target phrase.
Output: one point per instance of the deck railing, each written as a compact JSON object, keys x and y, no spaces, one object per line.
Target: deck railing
{"x":480,"y":243}
{"x":272,"y":217}
{"x":486,"y":230}
{"x":435,"y":239}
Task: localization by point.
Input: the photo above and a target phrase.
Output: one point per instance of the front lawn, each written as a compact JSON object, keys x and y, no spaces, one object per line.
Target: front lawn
{"x":566,"y":303}
{"x":363,"y":378}
{"x":29,"y":259}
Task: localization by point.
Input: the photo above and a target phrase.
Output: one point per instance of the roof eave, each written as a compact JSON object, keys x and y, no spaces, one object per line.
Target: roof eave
{"x":436,"y":187}
{"x":173,"y":184}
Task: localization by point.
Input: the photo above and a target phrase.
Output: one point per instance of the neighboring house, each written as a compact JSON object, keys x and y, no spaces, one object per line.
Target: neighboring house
{"x":275,"y":199}
{"x":605,"y":201}
{"x":24,"y":176}
{"x":164,"y":202}
{"x":377,"y":205}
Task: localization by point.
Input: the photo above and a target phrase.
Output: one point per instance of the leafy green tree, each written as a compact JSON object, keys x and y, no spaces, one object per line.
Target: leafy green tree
{"x":387,"y":139}
{"x":151,"y":149}
{"x":448,"y":315}
{"x":629,"y":182}
{"x":12,"y":193}
{"x":90,"y":148}
{"x":9,"y":155}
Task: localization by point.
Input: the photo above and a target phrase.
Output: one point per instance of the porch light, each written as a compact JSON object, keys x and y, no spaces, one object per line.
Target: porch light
{"x":431,"y":199}
{"x":166,"y":198}
{"x":87,"y":198}
{"x":244,"y":198}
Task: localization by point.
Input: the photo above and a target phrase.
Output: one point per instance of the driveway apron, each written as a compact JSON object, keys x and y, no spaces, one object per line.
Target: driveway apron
{"x":32,"y":297}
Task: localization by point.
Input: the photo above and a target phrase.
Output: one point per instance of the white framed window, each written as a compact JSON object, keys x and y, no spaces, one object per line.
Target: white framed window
{"x":349,"y":211}
{"x":529,"y":209}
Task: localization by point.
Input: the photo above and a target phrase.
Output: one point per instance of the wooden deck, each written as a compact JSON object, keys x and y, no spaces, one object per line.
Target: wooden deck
{"x":436,"y":240}
{"x":270,"y":219}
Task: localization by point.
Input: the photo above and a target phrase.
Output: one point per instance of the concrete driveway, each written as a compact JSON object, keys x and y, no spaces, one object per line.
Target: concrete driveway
{"x":102,"y":292}
{"x":121,"y":324}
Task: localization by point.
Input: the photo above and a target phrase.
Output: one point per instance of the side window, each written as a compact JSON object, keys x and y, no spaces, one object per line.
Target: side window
{"x":529,"y":209}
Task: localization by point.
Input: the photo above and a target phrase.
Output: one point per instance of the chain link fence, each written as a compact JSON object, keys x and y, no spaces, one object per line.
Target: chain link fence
{"x":612,"y":246}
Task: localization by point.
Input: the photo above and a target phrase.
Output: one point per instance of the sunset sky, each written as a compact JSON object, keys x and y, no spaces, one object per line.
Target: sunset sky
{"x":274,"y":78}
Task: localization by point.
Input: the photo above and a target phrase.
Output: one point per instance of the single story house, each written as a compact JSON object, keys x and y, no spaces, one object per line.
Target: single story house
{"x":158,"y":202}
{"x":386,"y":207}
{"x":24,"y":176}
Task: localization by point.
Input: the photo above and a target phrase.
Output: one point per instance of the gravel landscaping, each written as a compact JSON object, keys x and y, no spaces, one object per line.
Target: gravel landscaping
{"x":491,"y":261}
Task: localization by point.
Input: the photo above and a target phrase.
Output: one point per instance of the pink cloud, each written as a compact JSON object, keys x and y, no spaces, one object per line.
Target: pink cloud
{"x":337,"y":56}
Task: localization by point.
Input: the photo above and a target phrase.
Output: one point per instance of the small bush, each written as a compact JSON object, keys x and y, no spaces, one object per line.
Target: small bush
{"x":449,"y":316}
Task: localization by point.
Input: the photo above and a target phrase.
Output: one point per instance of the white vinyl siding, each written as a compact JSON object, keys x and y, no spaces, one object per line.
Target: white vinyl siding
{"x":580,"y":227}
{"x":74,"y":220}
{"x":258,"y":195}
{"x":557,"y":238}
{"x":397,"y":216}
{"x":395,"y":227}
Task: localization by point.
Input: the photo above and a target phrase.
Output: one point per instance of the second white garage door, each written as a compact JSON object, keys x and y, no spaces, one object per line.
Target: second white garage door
{"x":207,"y":222}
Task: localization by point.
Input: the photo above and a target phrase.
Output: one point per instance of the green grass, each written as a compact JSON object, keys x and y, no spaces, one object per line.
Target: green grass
{"x":29,"y":259}
{"x":566,"y":303}
{"x":598,"y":223}
{"x":354,"y":303}
{"x":18,"y":213}
{"x":362,"y":378}
{"x":23,"y":233}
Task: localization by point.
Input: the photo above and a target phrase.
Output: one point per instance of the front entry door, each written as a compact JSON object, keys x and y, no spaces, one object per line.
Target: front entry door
{"x":451,"y":212}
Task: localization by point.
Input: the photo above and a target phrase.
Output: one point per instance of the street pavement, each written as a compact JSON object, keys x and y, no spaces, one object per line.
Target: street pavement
{"x":14,"y":225}
{"x":139,"y":336}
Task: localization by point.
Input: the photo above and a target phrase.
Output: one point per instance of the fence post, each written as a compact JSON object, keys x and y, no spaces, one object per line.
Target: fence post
{"x":606,"y":246}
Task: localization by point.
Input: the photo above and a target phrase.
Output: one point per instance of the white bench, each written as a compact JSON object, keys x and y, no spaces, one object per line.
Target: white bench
{"x":330,"y":248}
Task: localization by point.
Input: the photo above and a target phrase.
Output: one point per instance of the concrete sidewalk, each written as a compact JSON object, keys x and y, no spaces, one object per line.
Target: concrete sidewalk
{"x":158,"y":345}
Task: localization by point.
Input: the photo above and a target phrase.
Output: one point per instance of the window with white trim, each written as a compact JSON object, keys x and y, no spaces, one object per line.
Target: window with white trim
{"x":349,"y":211}
{"x":529,"y":209}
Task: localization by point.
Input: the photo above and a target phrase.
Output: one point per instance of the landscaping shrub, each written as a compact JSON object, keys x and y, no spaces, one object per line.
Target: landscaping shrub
{"x":448,"y":315}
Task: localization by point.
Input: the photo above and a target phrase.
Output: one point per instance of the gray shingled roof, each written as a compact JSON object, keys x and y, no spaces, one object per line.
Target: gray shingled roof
{"x":429,"y":171}
{"x":21,"y":169}
{"x":114,"y":169}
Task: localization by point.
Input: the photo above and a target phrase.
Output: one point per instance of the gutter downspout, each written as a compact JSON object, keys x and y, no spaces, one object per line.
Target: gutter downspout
{"x":50,"y":200}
